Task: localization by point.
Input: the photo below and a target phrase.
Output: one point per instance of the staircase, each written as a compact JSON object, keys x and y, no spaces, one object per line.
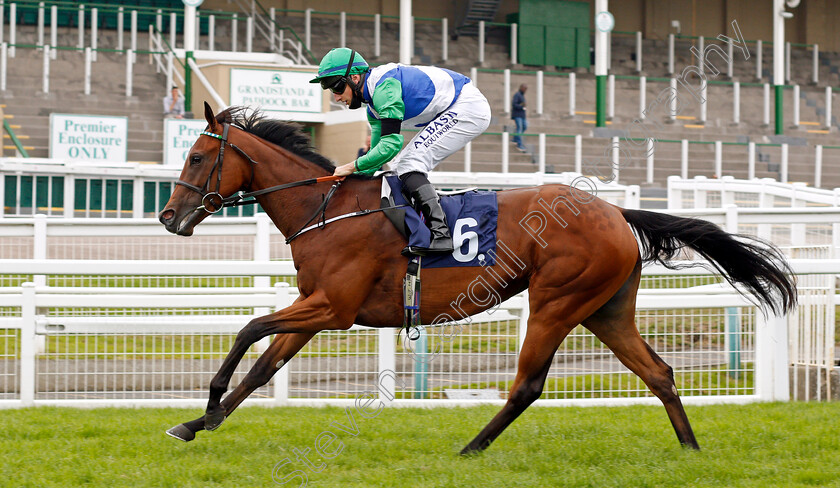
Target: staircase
{"x":477,"y":10}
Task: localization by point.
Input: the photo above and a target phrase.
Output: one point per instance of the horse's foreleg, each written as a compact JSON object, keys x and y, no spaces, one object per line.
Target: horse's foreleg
{"x":541,"y":341}
{"x":281,"y":350}
{"x":308,"y":316}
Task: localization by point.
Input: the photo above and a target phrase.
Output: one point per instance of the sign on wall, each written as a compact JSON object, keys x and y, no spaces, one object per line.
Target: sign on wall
{"x":88,"y":137}
{"x":179,"y":135}
{"x":277,"y":91}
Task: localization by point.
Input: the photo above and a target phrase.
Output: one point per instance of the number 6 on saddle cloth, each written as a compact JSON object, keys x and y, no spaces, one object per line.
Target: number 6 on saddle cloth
{"x":472,"y":218}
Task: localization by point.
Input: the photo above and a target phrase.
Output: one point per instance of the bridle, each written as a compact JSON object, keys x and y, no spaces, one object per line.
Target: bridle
{"x":212,"y":201}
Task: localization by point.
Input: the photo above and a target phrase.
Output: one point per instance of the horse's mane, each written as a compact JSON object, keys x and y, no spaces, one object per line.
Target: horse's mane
{"x":289,"y":136}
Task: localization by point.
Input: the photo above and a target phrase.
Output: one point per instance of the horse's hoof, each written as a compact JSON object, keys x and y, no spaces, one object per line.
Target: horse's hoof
{"x":212,"y":421}
{"x":181,"y":432}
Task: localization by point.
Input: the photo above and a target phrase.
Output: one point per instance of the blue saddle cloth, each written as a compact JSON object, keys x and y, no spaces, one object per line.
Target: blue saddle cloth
{"x":472,"y":219}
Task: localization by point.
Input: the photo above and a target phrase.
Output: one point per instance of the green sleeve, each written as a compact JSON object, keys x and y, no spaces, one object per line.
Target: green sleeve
{"x":388,"y":103}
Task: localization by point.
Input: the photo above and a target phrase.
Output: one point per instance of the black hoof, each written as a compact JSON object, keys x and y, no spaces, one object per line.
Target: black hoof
{"x":212,"y":420}
{"x":181,"y":432}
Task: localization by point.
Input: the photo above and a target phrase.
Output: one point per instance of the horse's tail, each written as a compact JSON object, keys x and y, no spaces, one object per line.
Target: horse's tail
{"x":757,"y":265}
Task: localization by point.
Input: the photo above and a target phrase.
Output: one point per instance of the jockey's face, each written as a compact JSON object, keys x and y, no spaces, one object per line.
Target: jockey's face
{"x":347,"y":95}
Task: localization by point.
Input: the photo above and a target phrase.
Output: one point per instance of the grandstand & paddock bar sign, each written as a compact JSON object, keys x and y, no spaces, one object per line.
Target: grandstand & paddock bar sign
{"x":275,"y":91}
{"x":97,"y":138}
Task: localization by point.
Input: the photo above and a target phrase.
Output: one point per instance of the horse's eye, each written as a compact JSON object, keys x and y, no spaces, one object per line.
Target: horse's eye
{"x":195,"y":159}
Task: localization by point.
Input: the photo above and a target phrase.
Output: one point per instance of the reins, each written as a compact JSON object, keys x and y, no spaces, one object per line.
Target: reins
{"x":239,"y":198}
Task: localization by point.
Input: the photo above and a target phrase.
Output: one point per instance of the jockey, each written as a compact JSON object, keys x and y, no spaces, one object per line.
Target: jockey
{"x":448,"y":110}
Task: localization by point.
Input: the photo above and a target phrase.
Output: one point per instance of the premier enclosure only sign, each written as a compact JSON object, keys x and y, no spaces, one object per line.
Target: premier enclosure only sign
{"x":88,"y":137}
{"x":179,"y":135}
{"x":276,"y":91}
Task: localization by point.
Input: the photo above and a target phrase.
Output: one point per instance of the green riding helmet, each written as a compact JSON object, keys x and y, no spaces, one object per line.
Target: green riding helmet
{"x":334,"y":66}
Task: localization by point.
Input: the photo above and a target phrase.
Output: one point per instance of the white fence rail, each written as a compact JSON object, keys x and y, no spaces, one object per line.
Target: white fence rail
{"x":146,"y":346}
{"x":133,"y":190}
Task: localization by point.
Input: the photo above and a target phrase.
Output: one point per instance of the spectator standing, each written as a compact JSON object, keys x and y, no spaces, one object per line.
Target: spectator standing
{"x":517,"y":113}
{"x":173,"y":105}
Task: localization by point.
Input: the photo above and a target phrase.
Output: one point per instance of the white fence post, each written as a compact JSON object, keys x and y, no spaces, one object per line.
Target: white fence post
{"x":53,"y":29}
{"x":828,"y":103}
{"x":444,"y":38}
{"x":81,"y":44}
{"x":342,"y":29}
{"x":505,"y":151}
{"x":2,"y":20}
{"x":121,"y":27}
{"x":27,"y":345}
{"x":541,"y":160}
{"x":474,"y":76}
{"x":249,"y":34}
{"x":281,"y":378}
{"x":670,"y":54}
{"x":128,"y":72}
{"x":539,"y":92}
{"x":650,"y":160}
{"x":272,"y":14}
{"x":731,"y":61}
{"x":615,"y":160}
{"x":4,"y":50}
{"x":718,"y":159}
{"x":480,"y":41}
{"x":818,"y":156}
{"x":133,"y":34}
{"x":642,"y":97}
{"x":572,"y":94}
{"x":766,"y":120}
{"x":211,"y":33}
{"x":173,"y":31}
{"x":468,"y":157}
{"x":750,"y":160}
{"x":787,"y":62}
{"x":170,"y":67}
{"x":783,"y":171}
{"x":46,"y":81}
{"x":387,"y":362}
{"x":94,"y":31}
{"x":736,"y":102}
{"x":684,"y":159}
{"x":12,"y":28}
{"x":234,"y":27}
{"x":506,"y":96}
{"x":815,"y":78}
{"x":514,"y":56}
{"x":377,"y":35}
{"x":771,"y":358}
{"x":578,"y":153}
{"x":701,"y":54}
{"x":611,"y":97}
{"x":672,"y":110}
{"x":639,"y":51}
{"x":796,"y":106}
{"x":41,"y":21}
{"x":758,"y":60}
{"x":704,"y":95}
{"x":87,"y":70}
{"x":137,"y":198}
{"x":307,"y":29}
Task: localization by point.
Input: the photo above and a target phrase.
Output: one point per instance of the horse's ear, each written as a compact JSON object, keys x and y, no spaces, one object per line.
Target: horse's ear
{"x":208,"y":114}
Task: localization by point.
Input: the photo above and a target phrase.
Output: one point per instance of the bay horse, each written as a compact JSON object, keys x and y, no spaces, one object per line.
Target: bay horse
{"x":582,"y":267}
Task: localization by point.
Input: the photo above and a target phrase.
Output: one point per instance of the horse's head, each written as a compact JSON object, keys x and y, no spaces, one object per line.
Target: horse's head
{"x":210,"y":175}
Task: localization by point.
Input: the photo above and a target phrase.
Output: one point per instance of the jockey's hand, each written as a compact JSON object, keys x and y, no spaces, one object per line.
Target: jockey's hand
{"x":345,"y":169}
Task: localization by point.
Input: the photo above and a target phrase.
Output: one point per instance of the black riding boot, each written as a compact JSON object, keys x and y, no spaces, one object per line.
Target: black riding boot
{"x":425,"y":198}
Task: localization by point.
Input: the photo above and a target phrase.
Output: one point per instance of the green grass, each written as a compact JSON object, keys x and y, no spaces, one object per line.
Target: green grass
{"x":759,"y":445}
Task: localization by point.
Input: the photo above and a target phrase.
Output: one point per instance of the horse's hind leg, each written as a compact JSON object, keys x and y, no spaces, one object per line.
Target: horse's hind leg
{"x":541,"y":341}
{"x":614,"y":324}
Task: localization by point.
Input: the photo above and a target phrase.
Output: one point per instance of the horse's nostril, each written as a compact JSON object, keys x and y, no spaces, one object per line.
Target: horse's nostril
{"x":166,"y":216}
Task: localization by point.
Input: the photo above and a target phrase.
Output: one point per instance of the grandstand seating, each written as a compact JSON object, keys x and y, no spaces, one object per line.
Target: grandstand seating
{"x":31,"y":108}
